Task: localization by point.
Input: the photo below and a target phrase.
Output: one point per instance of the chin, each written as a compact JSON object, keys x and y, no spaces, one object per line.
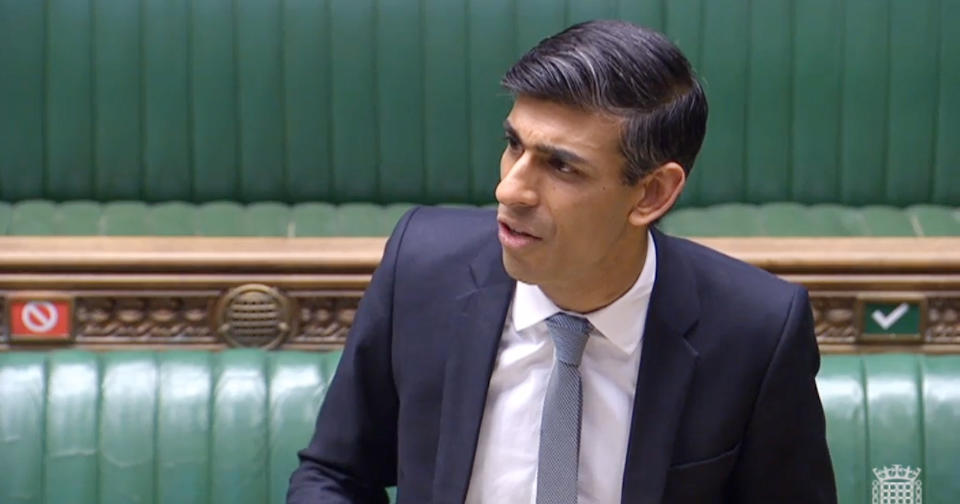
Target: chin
{"x":519,"y":271}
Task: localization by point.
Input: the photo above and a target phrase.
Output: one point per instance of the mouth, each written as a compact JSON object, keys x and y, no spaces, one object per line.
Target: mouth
{"x":513,"y":237}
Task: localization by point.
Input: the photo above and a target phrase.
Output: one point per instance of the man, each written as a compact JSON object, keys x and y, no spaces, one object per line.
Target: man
{"x":563,"y":350}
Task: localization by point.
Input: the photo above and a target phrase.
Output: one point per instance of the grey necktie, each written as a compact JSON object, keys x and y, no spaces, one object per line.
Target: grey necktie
{"x":560,"y":424}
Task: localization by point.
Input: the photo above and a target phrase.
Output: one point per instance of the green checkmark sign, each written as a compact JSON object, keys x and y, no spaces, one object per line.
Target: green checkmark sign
{"x":891,"y":318}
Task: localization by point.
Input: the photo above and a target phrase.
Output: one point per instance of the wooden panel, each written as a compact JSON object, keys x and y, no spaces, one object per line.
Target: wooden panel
{"x":135,"y":292}
{"x":261,"y":254}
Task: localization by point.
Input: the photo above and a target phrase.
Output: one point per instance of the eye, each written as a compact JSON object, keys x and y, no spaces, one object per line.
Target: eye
{"x":559,"y":165}
{"x":512,"y":142}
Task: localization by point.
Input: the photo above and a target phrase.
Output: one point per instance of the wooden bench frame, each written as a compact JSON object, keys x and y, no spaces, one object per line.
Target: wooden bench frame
{"x":157,"y":292}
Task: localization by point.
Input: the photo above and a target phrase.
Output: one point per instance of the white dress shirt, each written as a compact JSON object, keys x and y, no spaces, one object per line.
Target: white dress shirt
{"x":505,"y":463}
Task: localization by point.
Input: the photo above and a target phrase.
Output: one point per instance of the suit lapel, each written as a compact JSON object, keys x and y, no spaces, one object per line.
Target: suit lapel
{"x":667,"y":364}
{"x":476,"y":323}
{"x":666,"y":371}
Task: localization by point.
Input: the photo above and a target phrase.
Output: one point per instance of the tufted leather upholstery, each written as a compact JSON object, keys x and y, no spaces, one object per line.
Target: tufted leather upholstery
{"x":852,"y":102}
{"x":199,"y":427}
{"x":225,"y":218}
{"x":884,"y":410}
{"x":84,"y":428}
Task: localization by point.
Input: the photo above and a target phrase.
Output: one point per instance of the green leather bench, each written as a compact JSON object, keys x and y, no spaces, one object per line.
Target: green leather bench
{"x":239,"y":117}
{"x":225,"y":218}
{"x":199,"y":427}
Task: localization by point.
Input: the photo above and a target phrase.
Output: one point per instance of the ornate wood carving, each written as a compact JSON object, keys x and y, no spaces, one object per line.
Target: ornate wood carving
{"x":834,"y":319}
{"x":254,"y":315}
{"x":304,"y":293}
{"x":944,"y":320}
{"x":325,"y":318}
{"x":125,"y":318}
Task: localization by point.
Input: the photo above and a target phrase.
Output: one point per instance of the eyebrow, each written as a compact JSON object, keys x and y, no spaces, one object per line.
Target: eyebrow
{"x":564,"y":155}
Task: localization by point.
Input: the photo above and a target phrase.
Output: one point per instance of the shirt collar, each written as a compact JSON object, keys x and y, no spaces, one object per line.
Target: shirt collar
{"x":622,"y":321}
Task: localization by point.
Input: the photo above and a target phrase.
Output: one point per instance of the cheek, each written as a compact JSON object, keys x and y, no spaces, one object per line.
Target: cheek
{"x":588,"y":225}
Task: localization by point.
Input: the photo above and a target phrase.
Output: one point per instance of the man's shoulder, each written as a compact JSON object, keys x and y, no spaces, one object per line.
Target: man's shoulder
{"x":742,"y":310}
{"x":730,"y":288}
{"x":449,"y":233}
{"x":465,"y":218}
{"x":712,"y":264}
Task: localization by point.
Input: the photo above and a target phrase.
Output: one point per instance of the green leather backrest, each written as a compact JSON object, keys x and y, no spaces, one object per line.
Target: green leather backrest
{"x":852,"y":101}
{"x":893,"y":410}
{"x":166,"y":428}
{"x":198,"y":427}
{"x":225,"y":218}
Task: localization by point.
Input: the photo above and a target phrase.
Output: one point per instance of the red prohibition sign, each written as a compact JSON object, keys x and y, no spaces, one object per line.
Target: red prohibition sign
{"x":39,"y":316}
{"x":40,"y":319}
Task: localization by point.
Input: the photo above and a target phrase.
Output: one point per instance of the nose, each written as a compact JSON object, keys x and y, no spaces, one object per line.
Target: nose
{"x":517,"y":187}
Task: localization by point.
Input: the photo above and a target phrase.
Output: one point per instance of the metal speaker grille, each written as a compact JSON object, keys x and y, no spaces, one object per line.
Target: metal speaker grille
{"x":254,"y":315}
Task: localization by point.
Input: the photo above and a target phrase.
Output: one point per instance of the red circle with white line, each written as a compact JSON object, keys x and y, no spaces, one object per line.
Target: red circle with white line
{"x":39,"y":316}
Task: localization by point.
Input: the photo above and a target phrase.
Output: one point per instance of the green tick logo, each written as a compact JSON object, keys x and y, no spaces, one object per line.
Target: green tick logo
{"x":892,"y":318}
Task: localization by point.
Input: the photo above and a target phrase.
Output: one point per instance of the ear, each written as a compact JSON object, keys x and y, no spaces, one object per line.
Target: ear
{"x":657,"y":193}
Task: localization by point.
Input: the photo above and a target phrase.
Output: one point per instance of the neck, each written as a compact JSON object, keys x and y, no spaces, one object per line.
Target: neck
{"x":602,"y":285}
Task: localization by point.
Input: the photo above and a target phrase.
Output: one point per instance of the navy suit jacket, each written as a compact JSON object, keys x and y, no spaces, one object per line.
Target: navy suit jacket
{"x":726,"y":406}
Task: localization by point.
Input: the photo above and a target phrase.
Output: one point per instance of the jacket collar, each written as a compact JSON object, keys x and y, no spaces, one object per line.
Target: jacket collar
{"x":666,"y":372}
{"x":476,"y":322}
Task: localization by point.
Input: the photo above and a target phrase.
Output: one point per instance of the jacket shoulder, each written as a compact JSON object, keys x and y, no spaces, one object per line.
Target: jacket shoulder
{"x":721,"y":271}
{"x":448,"y":233}
{"x":735,"y":294}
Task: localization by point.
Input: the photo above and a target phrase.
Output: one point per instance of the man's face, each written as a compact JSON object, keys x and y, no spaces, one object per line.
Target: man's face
{"x":564,"y":209}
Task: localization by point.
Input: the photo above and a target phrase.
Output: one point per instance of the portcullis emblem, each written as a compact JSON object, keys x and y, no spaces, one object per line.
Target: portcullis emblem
{"x":897,"y":485}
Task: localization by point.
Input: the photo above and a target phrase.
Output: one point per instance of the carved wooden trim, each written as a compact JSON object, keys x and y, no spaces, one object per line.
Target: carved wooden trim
{"x":844,"y":255}
{"x":303,"y":293}
{"x":944,"y":320}
{"x":132,"y":318}
{"x":189,"y":254}
{"x":834,"y":319}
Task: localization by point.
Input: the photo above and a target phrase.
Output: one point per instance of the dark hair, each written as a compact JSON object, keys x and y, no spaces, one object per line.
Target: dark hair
{"x":630,"y":72}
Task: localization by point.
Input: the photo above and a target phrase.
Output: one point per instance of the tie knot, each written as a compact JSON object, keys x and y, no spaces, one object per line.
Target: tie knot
{"x":570,"y":335}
